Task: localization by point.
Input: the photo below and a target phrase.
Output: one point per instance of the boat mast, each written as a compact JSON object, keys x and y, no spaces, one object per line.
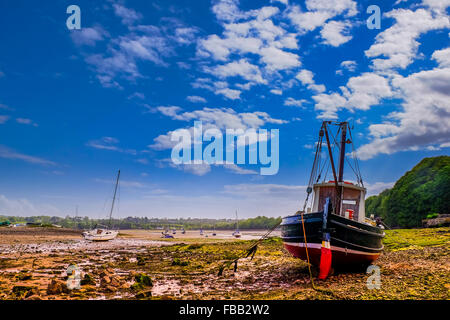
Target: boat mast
{"x":114,"y":198}
{"x":343,"y":126}
{"x":237,"y":222}
{"x":330,"y":153}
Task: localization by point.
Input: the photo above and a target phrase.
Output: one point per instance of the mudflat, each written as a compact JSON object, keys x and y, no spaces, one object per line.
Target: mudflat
{"x":139,"y":264}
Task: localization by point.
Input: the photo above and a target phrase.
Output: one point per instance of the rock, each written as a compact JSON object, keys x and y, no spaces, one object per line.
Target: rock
{"x":144,"y":294}
{"x":25,"y":291}
{"x":141,"y":282}
{"x":57,"y":287}
{"x":105,"y":280}
{"x":140,"y":261}
{"x":178,"y":262}
{"x":87,"y":280}
{"x":143,"y":279}
{"x":440,"y":221}
{"x":136,"y":286}
{"x":22,"y":276}
{"x":34,"y":297}
{"x":115,"y":282}
{"x":89,"y":288}
{"x":110,"y":289}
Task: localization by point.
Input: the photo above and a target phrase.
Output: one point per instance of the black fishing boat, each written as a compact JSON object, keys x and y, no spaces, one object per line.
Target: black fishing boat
{"x":336,"y":222}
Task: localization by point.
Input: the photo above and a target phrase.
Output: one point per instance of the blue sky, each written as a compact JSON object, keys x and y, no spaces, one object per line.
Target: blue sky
{"x":76,"y":105}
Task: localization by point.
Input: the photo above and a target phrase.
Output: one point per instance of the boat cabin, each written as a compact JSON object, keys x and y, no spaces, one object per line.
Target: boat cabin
{"x":352,"y":203}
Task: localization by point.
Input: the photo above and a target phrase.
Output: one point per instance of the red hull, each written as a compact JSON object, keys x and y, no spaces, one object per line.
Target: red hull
{"x":340,"y":256}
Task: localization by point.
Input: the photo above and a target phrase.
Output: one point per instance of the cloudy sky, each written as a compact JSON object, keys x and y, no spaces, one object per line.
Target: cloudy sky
{"x":77,"y":105}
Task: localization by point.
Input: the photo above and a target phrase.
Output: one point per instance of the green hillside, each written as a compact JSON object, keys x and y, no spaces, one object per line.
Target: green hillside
{"x":422,"y":191}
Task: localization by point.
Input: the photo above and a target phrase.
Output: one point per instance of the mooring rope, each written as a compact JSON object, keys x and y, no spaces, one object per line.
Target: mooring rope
{"x":398,"y":235}
{"x":246,"y":253}
{"x":306,"y":250}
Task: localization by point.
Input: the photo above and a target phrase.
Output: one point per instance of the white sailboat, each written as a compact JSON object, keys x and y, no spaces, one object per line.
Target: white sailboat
{"x":104,"y":234}
{"x":236,"y":232}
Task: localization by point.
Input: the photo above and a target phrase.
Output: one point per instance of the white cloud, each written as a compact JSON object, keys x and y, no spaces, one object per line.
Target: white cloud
{"x":263,"y":190}
{"x":228,"y":10}
{"x":8,"y":153}
{"x":276,"y":91}
{"x":231,"y":94}
{"x":108,"y":143}
{"x":128,"y":16}
{"x":293,"y":102}
{"x":319,"y":12}
{"x":185,"y":35}
{"x":247,"y":36}
{"x":336,"y":33}
{"x":366,"y":90}
{"x":361,"y":93}
{"x":442,"y":57}
{"x":328,"y":105}
{"x":3,"y":119}
{"x":26,"y":121}
{"x":170,"y":111}
{"x":220,"y":88}
{"x":399,"y":43}
{"x":349,"y":65}
{"x":306,"y":77}
{"x":137,"y":95}
{"x":223,"y":118}
{"x":124,"y":183}
{"x":377,"y":187}
{"x":140,"y":43}
{"x":238,"y":170}
{"x":88,"y":36}
{"x":24,"y":207}
{"x":220,"y":48}
{"x":196,"y":99}
{"x":277,"y":59}
{"x":200,"y":169}
{"x":285,"y":2}
{"x":240,"y":68}
{"x":424,"y":120}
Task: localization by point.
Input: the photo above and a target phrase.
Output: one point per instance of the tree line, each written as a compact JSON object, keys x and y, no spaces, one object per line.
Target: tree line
{"x":81,"y":223}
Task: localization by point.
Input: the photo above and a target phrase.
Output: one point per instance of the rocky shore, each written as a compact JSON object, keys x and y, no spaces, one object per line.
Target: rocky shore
{"x":415,"y":265}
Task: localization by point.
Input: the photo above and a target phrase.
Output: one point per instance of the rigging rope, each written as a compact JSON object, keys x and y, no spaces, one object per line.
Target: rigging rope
{"x":246,"y":253}
{"x":307,"y":254}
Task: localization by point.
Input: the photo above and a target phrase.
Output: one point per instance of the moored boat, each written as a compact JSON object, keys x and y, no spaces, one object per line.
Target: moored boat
{"x":236,"y":232}
{"x":100,"y":234}
{"x":336,"y":222}
{"x":104,"y":233}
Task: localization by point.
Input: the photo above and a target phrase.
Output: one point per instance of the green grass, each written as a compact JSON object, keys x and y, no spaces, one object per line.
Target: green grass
{"x":401,"y":239}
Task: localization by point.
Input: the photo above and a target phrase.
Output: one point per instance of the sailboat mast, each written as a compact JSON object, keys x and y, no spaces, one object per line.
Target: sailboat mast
{"x":237,"y":222}
{"x":342,"y":154}
{"x":114,"y":198}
